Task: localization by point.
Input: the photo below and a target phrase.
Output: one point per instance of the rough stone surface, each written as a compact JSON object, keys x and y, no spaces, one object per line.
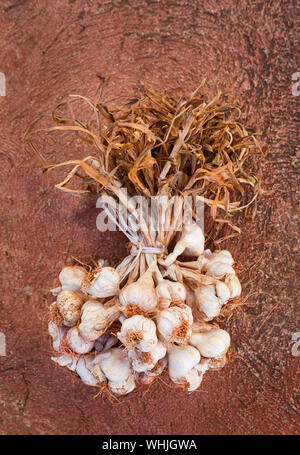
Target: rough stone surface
{"x":50,"y":49}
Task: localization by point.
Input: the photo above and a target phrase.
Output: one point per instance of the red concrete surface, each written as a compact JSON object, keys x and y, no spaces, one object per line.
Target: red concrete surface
{"x":49,"y":49}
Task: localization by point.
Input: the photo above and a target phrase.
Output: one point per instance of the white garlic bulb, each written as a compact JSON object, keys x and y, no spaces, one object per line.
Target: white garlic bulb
{"x":174,"y":323}
{"x":57,"y":334}
{"x":95,"y":317}
{"x":147,"y":377}
{"x":90,"y":373}
{"x":207,"y":302}
{"x":77,"y":343}
{"x":181,"y":360}
{"x":234,"y":285}
{"x":116,"y":367}
{"x":170,"y":292}
{"x":139,"y":332}
{"x":66,"y":361}
{"x":72,"y":277}
{"x":69,"y":304}
{"x":105,"y":283}
{"x":139,"y":296}
{"x":143,"y":361}
{"x":191,"y":243}
{"x":219,"y":269}
{"x":222,"y":291}
{"x":223,"y":256}
{"x":213,"y":343}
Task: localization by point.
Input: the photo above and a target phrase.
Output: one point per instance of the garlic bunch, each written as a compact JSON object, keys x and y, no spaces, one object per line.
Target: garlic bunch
{"x":105,"y":283}
{"x":174,"y":324}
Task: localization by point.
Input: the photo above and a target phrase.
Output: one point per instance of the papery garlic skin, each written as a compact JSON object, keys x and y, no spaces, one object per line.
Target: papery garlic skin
{"x":139,"y":296}
{"x":170,"y":292}
{"x":213,"y":343}
{"x":139,"y":332}
{"x":219,"y":269}
{"x":234,"y":285}
{"x":72,"y":277}
{"x":57,"y":334}
{"x":144,"y":361}
{"x":77,"y":343}
{"x":207,"y":302}
{"x":181,"y":360}
{"x":174,"y":324}
{"x":94,"y":319}
{"x":69,"y":304}
{"x":105,"y":283}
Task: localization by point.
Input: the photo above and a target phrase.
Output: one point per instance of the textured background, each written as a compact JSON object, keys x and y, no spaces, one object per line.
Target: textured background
{"x":50,"y":49}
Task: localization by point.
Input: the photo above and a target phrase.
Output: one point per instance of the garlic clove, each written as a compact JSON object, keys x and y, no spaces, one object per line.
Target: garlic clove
{"x":77,"y":343}
{"x":207,"y":302}
{"x":69,"y":304}
{"x":222,"y":291}
{"x":95,"y":317}
{"x":170,"y":292}
{"x":234,"y":285}
{"x":57,"y":334}
{"x":174,"y":324}
{"x":219,"y":269}
{"x":72,"y":277}
{"x":181,"y":360}
{"x":213,"y":343}
{"x":139,"y":332}
{"x":105,"y":283}
{"x":139,"y":296}
{"x":144,"y":361}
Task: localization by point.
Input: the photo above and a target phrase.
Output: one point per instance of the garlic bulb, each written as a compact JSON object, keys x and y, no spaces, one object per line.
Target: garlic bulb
{"x":72,"y":277}
{"x":105,"y":283}
{"x":213,"y":343}
{"x":219,"y":269}
{"x":207,"y":302}
{"x":223,"y":256}
{"x":181,"y":360}
{"x":77,"y":343}
{"x":66,"y":361}
{"x":222,"y":291}
{"x":143,"y":361}
{"x":139,"y":332}
{"x":170,"y":292}
{"x":57,"y":334}
{"x":233,"y":285}
{"x":174,"y":323}
{"x":139,"y":296}
{"x":116,"y":367}
{"x":90,"y":373}
{"x":191,"y":243}
{"x":69,"y":304}
{"x":95,"y":317}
